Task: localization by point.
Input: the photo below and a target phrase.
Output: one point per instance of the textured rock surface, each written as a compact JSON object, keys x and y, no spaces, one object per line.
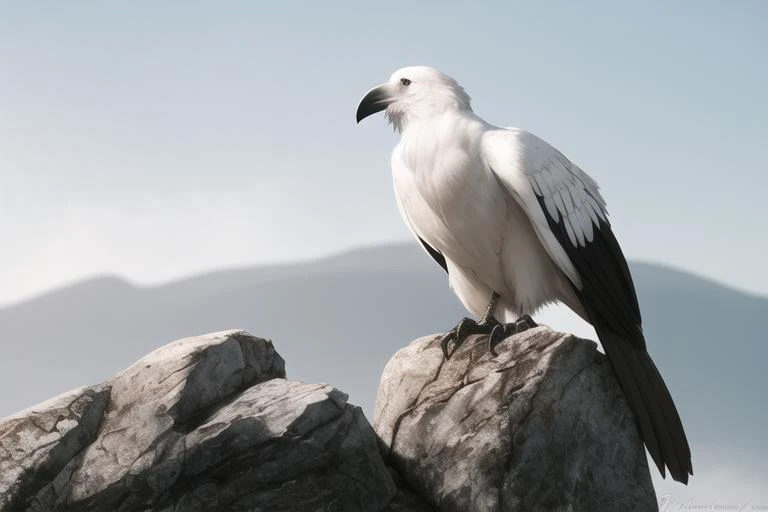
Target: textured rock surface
{"x":211,"y":423}
{"x":406,"y":499}
{"x":36,"y":444}
{"x":543,"y":426}
{"x":205,"y":423}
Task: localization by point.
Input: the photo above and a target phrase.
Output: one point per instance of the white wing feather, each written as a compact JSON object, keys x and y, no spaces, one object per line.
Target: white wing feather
{"x":530,"y":168}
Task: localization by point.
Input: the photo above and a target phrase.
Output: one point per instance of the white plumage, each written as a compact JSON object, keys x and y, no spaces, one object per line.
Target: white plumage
{"x":468,"y":189}
{"x":503,"y":211}
{"x":471,"y":215}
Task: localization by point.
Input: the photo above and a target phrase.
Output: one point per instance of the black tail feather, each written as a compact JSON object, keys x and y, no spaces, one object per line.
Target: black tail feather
{"x":650,"y":402}
{"x":607,"y":294}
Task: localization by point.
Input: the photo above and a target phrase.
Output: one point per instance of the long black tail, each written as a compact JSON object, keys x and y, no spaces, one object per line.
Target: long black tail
{"x":650,"y":401}
{"x":608,"y":297}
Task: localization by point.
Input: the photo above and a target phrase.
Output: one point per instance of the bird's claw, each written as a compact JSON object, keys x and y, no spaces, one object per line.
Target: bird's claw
{"x":498,"y":334}
{"x":466,"y":328}
{"x":502,"y":331}
{"x":495,"y":331}
{"x":446,"y":340}
{"x":524,"y":323}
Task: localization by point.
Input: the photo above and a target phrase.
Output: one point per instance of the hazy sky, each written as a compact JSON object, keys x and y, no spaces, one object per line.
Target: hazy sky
{"x":157,"y":139}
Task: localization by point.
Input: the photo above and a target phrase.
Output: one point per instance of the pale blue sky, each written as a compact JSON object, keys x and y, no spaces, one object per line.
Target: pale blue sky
{"x":154,"y":140}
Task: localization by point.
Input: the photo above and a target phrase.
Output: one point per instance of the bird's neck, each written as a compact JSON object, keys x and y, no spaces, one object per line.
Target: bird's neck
{"x":428,"y":110}
{"x":423,"y":140}
{"x":433,"y":122}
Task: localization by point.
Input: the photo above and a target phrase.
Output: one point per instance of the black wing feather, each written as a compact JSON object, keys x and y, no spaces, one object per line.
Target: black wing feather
{"x":609,"y":298}
{"x":436,"y":255}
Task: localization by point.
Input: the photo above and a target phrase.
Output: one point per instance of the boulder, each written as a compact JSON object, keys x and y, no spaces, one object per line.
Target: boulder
{"x":205,"y":423}
{"x":543,"y":426}
{"x":37,"y":443}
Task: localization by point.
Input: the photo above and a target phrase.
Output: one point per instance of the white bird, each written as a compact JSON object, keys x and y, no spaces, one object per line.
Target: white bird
{"x":517,"y":226}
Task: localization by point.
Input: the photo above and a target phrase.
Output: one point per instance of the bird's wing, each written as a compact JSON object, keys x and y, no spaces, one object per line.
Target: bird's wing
{"x":569,"y":216}
{"x":434,"y":253}
{"x":570,"y":219}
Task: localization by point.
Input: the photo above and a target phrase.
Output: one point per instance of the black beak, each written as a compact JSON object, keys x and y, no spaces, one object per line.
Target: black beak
{"x":376,"y":100}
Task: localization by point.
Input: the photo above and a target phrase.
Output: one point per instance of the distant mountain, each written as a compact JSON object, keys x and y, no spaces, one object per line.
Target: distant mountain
{"x":339,"y":319}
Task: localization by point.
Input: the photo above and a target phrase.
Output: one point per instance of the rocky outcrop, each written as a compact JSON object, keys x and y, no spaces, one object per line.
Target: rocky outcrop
{"x":542,"y":427}
{"x":205,"y":423}
{"x":36,"y":444}
{"x":211,"y":423}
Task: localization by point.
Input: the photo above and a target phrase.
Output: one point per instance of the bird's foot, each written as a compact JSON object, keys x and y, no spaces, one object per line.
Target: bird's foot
{"x":466,"y":328}
{"x":502,"y":331}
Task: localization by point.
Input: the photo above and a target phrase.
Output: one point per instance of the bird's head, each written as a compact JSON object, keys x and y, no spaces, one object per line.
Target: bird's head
{"x":415,"y":92}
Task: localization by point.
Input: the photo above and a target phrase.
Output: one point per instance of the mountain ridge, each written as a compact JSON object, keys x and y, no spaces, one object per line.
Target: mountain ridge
{"x":324,"y":263}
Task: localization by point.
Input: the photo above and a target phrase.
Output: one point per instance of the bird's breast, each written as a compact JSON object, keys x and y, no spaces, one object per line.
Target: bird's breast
{"x":445,"y":165}
{"x":453,"y":200}
{"x":450,"y":196}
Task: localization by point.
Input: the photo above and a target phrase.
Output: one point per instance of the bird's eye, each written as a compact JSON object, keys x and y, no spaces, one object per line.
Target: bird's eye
{"x":405,"y":82}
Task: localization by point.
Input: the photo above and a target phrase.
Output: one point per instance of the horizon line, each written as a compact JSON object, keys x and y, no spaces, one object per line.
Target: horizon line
{"x":337,"y":253}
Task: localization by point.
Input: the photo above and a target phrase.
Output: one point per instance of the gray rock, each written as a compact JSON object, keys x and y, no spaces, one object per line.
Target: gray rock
{"x":406,"y":499}
{"x":205,"y":423}
{"x":211,"y":423}
{"x":542,"y":427}
{"x":157,"y":400}
{"x":305,"y":449}
{"x":36,"y":444}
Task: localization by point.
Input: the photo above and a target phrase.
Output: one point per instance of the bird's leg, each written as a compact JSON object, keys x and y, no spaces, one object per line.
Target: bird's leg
{"x":502,"y":331}
{"x":488,"y":316}
{"x":467,"y":327}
